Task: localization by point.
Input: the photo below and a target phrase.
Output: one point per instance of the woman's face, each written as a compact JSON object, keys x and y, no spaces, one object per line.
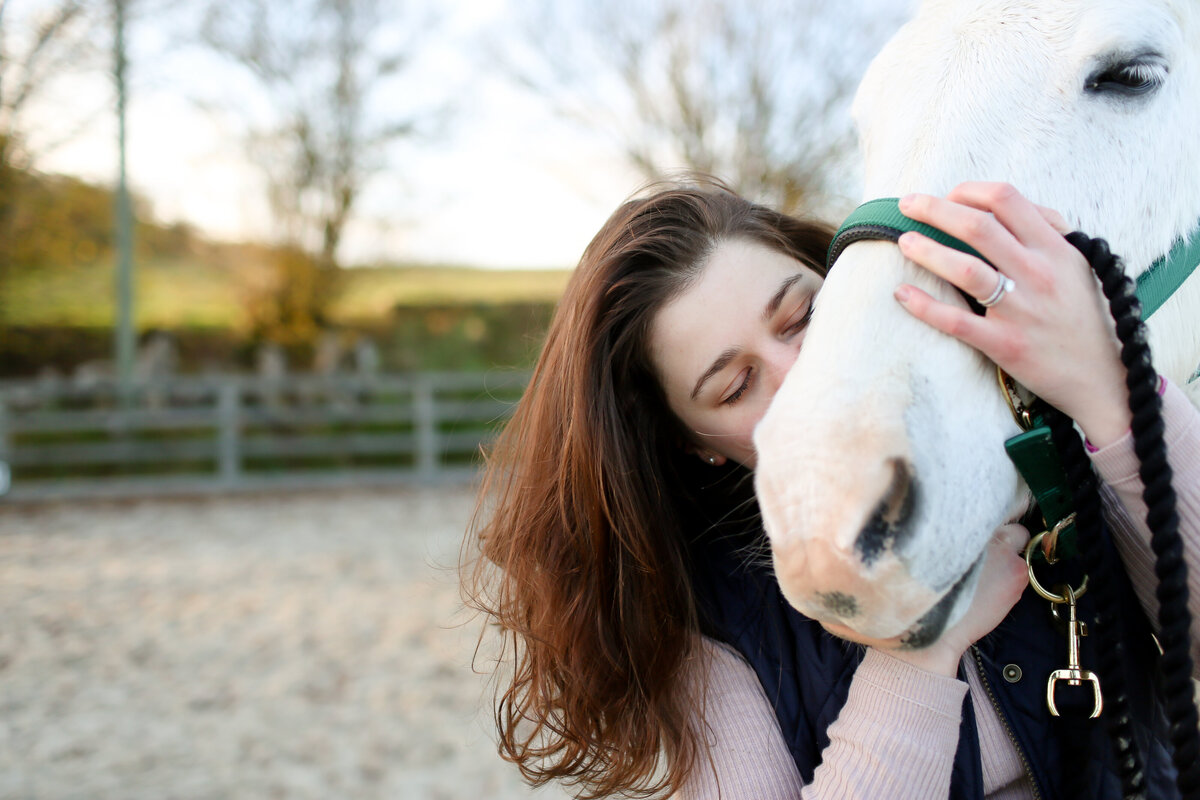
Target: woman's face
{"x":723,"y":346}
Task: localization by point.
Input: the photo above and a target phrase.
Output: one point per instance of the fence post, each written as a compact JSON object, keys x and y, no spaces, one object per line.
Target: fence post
{"x":229,"y":462}
{"x":425,"y":423}
{"x":5,"y":448}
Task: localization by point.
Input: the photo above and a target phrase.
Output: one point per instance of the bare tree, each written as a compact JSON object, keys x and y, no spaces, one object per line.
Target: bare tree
{"x":35,"y":50}
{"x":756,"y":94}
{"x":323,"y":67}
{"x":329,"y":98}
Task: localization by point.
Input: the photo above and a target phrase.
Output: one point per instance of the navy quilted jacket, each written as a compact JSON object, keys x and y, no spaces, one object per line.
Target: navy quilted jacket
{"x":806,"y":674}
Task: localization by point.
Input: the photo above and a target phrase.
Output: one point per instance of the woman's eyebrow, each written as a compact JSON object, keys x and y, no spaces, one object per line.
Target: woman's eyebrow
{"x":777,"y":298}
{"x":718,"y":365}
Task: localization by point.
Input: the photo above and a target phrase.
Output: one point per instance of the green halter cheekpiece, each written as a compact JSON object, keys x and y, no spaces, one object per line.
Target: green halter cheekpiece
{"x":1032,"y":452}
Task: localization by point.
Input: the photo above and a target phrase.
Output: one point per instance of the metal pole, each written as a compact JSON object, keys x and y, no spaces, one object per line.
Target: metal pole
{"x":425,"y":423}
{"x":123,"y":324}
{"x":229,"y":459}
{"x":5,"y":468}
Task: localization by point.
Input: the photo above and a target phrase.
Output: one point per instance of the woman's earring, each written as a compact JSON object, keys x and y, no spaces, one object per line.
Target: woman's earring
{"x":712,"y":460}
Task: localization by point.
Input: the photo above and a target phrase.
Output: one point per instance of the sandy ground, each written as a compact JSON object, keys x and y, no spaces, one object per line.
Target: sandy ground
{"x":276,"y":646}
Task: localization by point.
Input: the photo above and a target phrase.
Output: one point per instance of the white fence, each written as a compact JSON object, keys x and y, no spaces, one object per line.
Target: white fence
{"x":245,"y":433}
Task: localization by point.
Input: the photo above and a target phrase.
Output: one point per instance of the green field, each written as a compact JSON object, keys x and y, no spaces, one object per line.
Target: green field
{"x":195,"y":293}
{"x":371,"y":292}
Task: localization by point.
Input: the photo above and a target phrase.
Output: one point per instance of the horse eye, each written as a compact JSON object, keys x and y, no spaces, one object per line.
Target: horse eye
{"x":1129,"y":76}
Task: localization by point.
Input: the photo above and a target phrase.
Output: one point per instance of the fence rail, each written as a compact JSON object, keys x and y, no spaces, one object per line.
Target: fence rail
{"x":239,"y":432}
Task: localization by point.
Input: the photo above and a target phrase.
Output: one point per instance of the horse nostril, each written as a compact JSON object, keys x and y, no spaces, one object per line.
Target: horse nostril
{"x":887,"y":523}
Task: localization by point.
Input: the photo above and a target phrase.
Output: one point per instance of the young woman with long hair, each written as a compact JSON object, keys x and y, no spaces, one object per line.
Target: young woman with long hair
{"x":645,"y":649}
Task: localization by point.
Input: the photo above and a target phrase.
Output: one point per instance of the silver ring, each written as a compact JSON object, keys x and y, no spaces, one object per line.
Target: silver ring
{"x":1003,"y":287}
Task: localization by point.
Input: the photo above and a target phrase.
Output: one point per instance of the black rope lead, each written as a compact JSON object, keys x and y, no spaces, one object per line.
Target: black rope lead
{"x":1172,"y":593}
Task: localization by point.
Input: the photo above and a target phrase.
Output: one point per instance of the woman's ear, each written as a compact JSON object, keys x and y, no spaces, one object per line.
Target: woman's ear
{"x":709,"y":457}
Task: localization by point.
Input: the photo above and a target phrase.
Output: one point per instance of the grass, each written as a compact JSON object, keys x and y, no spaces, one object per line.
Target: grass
{"x":198,"y":293}
{"x":371,"y":293}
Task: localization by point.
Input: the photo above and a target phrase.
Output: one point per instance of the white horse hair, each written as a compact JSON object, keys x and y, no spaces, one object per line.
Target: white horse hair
{"x":890,"y":431}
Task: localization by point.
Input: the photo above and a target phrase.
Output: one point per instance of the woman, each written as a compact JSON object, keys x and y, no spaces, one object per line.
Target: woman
{"x":619,"y":538}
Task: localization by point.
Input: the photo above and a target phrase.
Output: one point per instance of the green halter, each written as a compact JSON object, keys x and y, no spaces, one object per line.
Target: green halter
{"x":881,"y":219}
{"x":1032,"y":452}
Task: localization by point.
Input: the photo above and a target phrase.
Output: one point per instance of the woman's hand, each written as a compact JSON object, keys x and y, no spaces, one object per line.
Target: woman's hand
{"x":1051,"y":331}
{"x":1002,"y":579}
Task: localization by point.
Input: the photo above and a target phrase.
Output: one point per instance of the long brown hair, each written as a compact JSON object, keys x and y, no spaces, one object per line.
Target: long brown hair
{"x":577,"y":550}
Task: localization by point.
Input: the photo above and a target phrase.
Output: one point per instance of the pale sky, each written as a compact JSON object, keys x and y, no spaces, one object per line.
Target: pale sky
{"x":510,"y":185}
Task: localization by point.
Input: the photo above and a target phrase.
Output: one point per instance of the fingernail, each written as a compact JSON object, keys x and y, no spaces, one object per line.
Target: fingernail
{"x":906,"y":201}
{"x":906,"y":239}
{"x":902,"y":294}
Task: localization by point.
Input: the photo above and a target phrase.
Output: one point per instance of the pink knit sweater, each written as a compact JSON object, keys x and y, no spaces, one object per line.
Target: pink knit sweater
{"x":898,"y":732}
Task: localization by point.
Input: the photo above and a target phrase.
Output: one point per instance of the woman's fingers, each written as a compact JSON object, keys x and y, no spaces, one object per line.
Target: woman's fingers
{"x":1013,"y":210}
{"x":994,"y":218}
{"x":1012,"y":536}
{"x":963,"y":271}
{"x":977,"y":228}
{"x":999,"y":343}
{"x":1054,"y":219}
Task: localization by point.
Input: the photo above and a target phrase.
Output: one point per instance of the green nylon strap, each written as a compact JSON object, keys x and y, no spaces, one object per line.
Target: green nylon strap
{"x":1156,"y":285}
{"x":881,"y":219}
{"x":1035,"y":457}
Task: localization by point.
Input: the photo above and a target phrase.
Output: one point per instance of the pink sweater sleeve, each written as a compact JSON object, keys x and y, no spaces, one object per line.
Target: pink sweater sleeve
{"x":1117,"y":466}
{"x":895,"y":737}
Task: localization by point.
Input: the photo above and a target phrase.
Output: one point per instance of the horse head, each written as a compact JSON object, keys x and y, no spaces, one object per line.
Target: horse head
{"x":881,"y":468}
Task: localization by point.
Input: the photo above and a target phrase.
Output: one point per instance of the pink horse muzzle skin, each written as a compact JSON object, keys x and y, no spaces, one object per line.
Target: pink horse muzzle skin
{"x":915,"y":617}
{"x":862,"y":582}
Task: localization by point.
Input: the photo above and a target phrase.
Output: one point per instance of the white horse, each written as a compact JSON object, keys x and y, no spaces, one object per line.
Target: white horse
{"x":1091,"y":107}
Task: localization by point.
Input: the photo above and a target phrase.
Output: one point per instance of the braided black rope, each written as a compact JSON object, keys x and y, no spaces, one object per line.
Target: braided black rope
{"x":1174,"y":617}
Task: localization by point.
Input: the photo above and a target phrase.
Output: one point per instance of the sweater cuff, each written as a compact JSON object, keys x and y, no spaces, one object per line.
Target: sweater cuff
{"x":1162,"y":387}
{"x":1117,"y":463}
{"x":937,"y":694}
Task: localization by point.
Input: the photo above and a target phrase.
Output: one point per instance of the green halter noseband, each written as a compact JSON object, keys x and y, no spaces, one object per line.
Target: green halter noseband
{"x":1032,"y":452}
{"x":881,"y":219}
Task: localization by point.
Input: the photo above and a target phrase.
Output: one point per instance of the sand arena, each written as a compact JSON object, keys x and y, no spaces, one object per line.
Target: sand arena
{"x":268,"y":646}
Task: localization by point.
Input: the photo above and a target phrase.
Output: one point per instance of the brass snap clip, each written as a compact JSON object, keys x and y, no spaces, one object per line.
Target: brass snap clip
{"x":1073,"y":674}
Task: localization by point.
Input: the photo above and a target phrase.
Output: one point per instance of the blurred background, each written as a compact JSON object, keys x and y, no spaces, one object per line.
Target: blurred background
{"x":270,"y":275}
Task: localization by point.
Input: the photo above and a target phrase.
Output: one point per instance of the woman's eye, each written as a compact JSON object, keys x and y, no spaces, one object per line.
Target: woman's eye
{"x":741,"y":389}
{"x":795,"y":325}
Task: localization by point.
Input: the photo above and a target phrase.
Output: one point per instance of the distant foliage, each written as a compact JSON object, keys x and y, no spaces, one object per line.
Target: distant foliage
{"x":289,"y":305}
{"x":440,"y":338}
{"x":465,"y":337}
{"x":222,"y":301}
{"x":62,"y":221}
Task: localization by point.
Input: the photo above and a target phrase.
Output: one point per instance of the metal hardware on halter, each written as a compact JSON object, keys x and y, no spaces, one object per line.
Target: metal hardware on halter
{"x":1016,"y":406}
{"x":1036,"y":585}
{"x":1073,"y":674}
{"x":1049,"y":539}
